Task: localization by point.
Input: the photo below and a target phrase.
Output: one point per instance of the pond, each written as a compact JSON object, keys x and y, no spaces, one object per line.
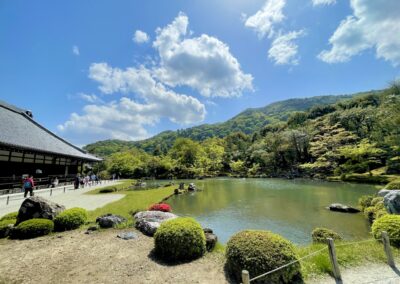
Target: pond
{"x":291,"y":208}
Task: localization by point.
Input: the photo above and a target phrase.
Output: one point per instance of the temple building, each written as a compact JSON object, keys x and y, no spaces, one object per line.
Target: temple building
{"x":26,"y":147}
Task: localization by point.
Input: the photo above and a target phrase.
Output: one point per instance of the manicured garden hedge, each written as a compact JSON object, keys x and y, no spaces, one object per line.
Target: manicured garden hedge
{"x":390,"y":224}
{"x":180,"y":239}
{"x":32,"y":228}
{"x":9,"y":216}
{"x":70,"y":219}
{"x":393,"y":185}
{"x":259,"y":252}
{"x":5,"y":227}
{"x":319,"y":235}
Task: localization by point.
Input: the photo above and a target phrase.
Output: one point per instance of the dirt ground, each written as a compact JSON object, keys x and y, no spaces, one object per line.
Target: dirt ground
{"x":101,"y":257}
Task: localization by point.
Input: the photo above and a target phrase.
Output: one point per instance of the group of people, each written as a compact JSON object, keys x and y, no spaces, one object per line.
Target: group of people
{"x":85,"y":181}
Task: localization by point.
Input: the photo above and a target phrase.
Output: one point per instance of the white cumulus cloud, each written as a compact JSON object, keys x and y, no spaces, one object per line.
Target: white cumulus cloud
{"x":140,"y":37}
{"x":264,"y":20}
{"x":284,"y":50}
{"x":374,"y":25}
{"x":203,"y":63}
{"x":91,"y":98}
{"x":323,"y":2}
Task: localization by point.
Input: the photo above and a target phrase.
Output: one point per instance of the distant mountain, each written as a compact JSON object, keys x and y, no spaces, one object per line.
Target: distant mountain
{"x":248,"y":122}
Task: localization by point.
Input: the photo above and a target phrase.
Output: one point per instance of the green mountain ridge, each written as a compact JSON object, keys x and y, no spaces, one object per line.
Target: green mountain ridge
{"x":249,"y":121}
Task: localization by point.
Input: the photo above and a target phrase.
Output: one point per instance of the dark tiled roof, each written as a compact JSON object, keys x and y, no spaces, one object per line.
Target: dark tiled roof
{"x":18,"y":129}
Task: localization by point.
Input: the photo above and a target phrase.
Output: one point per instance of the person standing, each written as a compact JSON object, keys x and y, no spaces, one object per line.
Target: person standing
{"x":77,"y":181}
{"x":28,"y":185}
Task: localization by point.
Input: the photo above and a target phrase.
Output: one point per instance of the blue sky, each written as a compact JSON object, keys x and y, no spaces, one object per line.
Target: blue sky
{"x":94,"y":70}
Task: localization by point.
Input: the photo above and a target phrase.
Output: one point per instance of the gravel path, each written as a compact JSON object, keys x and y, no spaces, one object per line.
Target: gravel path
{"x":375,"y":273}
{"x":71,"y":198}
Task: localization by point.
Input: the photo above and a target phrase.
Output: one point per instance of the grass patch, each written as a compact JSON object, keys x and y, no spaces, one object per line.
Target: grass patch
{"x":134,"y":200}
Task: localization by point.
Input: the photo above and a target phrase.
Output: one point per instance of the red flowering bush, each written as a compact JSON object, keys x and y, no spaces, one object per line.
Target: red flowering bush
{"x":160,"y":207}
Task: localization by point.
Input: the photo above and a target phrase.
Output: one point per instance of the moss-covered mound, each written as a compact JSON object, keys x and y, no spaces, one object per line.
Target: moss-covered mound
{"x":319,"y":235}
{"x":390,"y":224}
{"x":32,"y":228}
{"x":5,"y":227}
{"x":376,"y":210}
{"x":9,"y":216}
{"x":70,"y":219}
{"x":260,"y":252}
{"x":180,"y":239}
{"x":393,"y":185}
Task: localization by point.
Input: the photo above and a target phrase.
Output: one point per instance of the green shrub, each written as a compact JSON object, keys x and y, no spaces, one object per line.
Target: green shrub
{"x":70,"y":219}
{"x":260,"y":252}
{"x":5,"y":227}
{"x":376,"y":200}
{"x":393,"y":185}
{"x":32,"y":228}
{"x":319,"y":235}
{"x":9,"y":216}
{"x":375,"y":211}
{"x":365,"y":201}
{"x":180,"y":239}
{"x":390,"y":224}
{"x":108,"y":189}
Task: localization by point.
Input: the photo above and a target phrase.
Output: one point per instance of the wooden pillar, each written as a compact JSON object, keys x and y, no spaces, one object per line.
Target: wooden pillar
{"x":334,"y":262}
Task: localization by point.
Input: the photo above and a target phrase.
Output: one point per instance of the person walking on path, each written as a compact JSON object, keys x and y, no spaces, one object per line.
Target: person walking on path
{"x":28,"y":185}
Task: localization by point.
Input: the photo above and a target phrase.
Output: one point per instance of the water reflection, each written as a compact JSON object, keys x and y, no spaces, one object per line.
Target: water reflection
{"x":291,"y":208}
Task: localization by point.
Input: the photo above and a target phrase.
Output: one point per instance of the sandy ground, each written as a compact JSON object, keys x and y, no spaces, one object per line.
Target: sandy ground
{"x":101,"y":257}
{"x":371,"y":273}
{"x":71,"y":198}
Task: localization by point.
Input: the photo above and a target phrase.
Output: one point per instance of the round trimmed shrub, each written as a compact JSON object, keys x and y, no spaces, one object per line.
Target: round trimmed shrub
{"x":5,"y":227}
{"x":70,"y":219}
{"x":390,"y":224}
{"x":180,"y":239}
{"x":9,"y":216}
{"x":376,"y":211}
{"x":32,"y":228}
{"x":365,"y":201}
{"x":259,"y":252}
{"x":319,"y":235}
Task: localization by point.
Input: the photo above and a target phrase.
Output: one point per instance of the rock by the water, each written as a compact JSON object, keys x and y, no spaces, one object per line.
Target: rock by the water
{"x":343,"y":208}
{"x":383,"y":192}
{"x":207,"y":230}
{"x":211,"y":241}
{"x":392,"y":201}
{"x":109,"y":220}
{"x":38,"y":207}
{"x":127,"y":236}
{"x":148,"y":221}
{"x":192,"y":187}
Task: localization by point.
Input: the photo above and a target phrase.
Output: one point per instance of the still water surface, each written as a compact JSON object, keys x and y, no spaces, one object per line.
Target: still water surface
{"x":291,"y":208}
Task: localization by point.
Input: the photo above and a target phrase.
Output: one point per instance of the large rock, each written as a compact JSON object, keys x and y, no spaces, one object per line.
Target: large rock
{"x":148,"y":221}
{"x":191,"y":187}
{"x":343,"y":208}
{"x":392,"y":201}
{"x":383,"y":192}
{"x":109,"y":220}
{"x":38,"y":207}
{"x":211,"y":239}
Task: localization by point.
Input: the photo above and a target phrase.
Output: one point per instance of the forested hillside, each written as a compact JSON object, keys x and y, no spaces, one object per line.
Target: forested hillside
{"x":355,"y":139}
{"x":248,"y":122}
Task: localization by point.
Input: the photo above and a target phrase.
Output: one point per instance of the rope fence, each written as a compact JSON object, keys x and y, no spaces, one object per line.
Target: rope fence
{"x":332,"y":256}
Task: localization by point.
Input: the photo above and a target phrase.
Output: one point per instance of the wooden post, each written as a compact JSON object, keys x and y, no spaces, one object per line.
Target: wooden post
{"x":245,"y":277}
{"x":8,"y":199}
{"x":51,"y":192}
{"x":332,"y":256}
{"x":64,"y":189}
{"x":388,"y":249}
